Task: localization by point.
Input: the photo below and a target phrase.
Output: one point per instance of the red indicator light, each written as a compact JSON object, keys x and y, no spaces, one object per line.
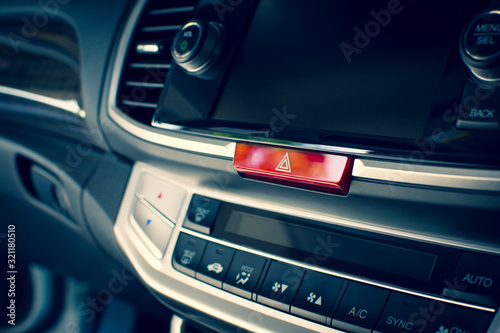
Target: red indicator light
{"x":300,"y":168}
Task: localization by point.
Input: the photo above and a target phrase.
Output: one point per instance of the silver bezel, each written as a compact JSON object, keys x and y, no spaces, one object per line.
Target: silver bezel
{"x":165,"y":279}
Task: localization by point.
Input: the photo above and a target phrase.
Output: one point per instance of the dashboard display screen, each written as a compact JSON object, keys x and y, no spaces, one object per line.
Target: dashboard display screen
{"x":316,"y":243}
{"x":360,"y":67}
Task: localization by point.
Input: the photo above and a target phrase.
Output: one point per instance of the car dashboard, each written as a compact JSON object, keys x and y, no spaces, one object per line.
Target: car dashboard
{"x":255,"y":165}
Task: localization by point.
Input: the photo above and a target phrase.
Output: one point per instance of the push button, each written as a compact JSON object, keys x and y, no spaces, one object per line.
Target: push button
{"x":187,"y":40}
{"x":188,"y":253}
{"x":244,"y":274}
{"x":201,"y":214}
{"x":156,"y":230}
{"x":480,"y":109}
{"x":316,"y":296}
{"x":448,"y":318}
{"x":165,"y":197}
{"x":280,"y":286}
{"x":360,"y":308}
{"x":215,"y":264}
{"x":403,"y":314}
{"x":476,"y":278}
{"x":482,"y":38}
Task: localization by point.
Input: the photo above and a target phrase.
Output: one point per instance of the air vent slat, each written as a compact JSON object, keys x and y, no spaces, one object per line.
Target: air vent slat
{"x":171,"y":10}
{"x":148,"y":65}
{"x":143,"y":84}
{"x":162,"y":28}
{"x":146,"y":68}
{"x":141,"y":104}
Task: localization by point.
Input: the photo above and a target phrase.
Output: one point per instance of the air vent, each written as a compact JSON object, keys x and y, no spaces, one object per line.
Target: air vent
{"x":148,"y":58}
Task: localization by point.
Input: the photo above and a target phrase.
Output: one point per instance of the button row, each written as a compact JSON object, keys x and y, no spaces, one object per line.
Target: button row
{"x":347,"y":305}
{"x":235,"y":271}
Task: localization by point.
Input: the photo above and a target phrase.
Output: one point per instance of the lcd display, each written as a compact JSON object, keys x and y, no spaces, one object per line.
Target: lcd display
{"x":387,"y":258}
{"x":361,"y":67}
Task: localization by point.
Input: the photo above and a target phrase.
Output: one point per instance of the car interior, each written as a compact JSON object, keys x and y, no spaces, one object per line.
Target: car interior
{"x":199,"y":166}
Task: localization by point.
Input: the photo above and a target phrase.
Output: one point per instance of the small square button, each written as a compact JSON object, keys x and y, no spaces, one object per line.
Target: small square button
{"x":280,"y":286}
{"x":188,"y":253}
{"x":201,"y":214}
{"x":316,"y":296}
{"x":361,"y":306}
{"x":244,"y":274}
{"x":215,"y":264}
{"x":402,"y":314}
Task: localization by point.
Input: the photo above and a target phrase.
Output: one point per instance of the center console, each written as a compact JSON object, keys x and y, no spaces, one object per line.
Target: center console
{"x":319,"y":167}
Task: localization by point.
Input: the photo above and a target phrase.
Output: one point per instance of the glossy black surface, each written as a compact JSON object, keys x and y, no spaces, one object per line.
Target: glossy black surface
{"x":301,"y":89}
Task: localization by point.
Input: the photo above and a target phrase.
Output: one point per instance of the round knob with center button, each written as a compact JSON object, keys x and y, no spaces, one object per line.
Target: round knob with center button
{"x":197,"y":46}
{"x":187,"y":40}
{"x":480,"y":45}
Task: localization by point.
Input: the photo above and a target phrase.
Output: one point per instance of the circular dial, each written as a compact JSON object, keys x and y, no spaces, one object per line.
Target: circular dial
{"x":480,"y":45}
{"x":197,"y":46}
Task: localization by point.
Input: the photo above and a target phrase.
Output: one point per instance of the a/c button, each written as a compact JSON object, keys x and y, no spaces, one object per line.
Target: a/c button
{"x":360,"y":308}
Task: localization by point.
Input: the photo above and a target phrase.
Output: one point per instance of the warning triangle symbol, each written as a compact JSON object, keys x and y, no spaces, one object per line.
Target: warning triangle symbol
{"x":318,"y":301}
{"x":285,"y":165}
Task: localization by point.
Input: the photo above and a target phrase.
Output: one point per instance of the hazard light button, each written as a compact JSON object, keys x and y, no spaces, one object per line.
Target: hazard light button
{"x":294,"y":167}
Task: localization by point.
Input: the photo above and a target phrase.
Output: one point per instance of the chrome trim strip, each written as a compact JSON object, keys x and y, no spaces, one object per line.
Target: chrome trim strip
{"x":70,"y":106}
{"x":337,"y":274}
{"x":456,"y":178}
{"x":478,"y":125}
{"x":266,"y":141}
{"x":177,"y":324}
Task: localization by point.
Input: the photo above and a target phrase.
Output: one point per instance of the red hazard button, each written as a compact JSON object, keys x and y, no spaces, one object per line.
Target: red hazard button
{"x":294,"y":167}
